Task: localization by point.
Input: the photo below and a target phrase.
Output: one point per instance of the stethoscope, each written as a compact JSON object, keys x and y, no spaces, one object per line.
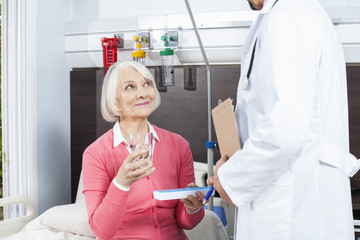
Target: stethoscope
{"x":245,"y":80}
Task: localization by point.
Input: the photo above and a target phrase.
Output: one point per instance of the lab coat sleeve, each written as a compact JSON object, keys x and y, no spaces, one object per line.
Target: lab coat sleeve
{"x":284,"y":73}
{"x":106,"y":203}
{"x":186,"y":176}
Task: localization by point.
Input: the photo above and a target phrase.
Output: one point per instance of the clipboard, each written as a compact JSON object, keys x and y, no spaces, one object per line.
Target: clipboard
{"x":226,"y":128}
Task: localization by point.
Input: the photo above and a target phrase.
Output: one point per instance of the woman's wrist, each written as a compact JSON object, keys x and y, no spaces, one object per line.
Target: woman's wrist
{"x":192,"y":212}
{"x":120,"y":186}
{"x":121,"y":183}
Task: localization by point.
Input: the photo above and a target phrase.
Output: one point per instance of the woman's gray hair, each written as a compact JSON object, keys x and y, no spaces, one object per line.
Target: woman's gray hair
{"x":109,"y":108}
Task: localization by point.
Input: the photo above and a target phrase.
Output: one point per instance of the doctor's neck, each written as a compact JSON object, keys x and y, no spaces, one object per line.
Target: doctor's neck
{"x":256,"y":4}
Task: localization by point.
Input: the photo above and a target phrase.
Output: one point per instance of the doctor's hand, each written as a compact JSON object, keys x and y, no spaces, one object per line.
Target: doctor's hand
{"x":192,"y":203}
{"x":214,"y":180}
{"x":136,"y":166}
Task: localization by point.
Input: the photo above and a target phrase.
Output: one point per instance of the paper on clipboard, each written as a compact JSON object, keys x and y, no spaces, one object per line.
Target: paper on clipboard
{"x":226,"y":128}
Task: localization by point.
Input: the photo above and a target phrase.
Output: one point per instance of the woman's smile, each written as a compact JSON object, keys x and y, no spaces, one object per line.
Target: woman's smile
{"x":142,"y":104}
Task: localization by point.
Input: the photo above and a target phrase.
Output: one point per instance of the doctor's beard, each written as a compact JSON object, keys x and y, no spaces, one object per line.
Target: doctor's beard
{"x":251,"y":5}
{"x":256,"y":5}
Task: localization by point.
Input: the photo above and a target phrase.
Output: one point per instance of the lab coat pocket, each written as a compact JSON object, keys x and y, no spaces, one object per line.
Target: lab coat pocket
{"x":271,"y":211}
{"x":336,"y":157}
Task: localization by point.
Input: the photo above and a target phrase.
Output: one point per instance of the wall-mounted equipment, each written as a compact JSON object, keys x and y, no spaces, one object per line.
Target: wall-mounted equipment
{"x":110,"y":46}
{"x":167,"y":58}
{"x":190,"y":78}
{"x":158,"y":79}
{"x":141,"y":40}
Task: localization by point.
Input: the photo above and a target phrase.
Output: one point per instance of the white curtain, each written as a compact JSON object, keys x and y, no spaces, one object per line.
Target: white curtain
{"x":18,"y":46}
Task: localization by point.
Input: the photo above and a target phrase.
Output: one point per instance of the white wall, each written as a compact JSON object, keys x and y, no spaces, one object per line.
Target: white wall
{"x":339,"y":3}
{"x":53,"y":104}
{"x":102,"y":9}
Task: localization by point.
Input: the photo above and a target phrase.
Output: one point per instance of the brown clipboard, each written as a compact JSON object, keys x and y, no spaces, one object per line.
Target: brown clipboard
{"x":226,"y":128}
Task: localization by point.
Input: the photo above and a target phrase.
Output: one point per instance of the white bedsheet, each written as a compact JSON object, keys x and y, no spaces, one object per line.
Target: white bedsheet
{"x":69,"y":222}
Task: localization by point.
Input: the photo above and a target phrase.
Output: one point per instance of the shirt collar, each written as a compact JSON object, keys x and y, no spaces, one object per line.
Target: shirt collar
{"x":119,"y":137}
{"x":268,"y":4}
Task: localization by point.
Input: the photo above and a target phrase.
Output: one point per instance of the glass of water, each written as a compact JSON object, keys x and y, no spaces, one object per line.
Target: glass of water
{"x":142,"y":141}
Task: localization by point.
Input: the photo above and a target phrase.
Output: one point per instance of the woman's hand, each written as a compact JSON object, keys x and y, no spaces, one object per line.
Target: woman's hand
{"x":192,"y":203}
{"x":136,"y":166}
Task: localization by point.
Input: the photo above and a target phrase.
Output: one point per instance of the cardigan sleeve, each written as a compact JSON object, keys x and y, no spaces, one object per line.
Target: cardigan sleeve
{"x":186,"y":176}
{"x":106,"y":204}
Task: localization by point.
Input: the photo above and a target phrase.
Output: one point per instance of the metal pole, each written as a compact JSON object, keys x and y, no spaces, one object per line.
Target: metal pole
{"x":210,"y":151}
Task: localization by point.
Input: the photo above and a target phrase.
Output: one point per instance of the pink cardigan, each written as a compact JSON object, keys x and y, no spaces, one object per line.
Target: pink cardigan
{"x":135,"y":214}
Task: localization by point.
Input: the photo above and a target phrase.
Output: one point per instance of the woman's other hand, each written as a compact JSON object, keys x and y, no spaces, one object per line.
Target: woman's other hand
{"x":136,"y":166}
{"x":192,"y":203}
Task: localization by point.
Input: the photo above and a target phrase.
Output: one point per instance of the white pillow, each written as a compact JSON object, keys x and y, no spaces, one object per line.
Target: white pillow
{"x":210,"y":228}
{"x":70,"y":218}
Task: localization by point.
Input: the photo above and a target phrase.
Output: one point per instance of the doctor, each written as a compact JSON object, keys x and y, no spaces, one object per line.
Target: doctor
{"x":291,"y":179}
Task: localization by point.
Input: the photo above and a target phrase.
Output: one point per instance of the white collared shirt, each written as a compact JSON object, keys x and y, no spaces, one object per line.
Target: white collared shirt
{"x":119,"y":137}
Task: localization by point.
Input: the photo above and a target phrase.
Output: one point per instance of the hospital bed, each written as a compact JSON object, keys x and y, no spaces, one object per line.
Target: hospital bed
{"x":70,"y":222}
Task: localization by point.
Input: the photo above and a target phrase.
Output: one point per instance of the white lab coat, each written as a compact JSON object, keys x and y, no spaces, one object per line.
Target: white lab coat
{"x":291,"y":179}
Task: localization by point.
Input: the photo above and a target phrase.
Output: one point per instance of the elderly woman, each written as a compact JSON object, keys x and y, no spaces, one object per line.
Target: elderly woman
{"x":119,"y":182}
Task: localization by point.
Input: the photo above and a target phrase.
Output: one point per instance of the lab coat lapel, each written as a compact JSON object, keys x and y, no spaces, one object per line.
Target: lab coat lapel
{"x":251,"y":39}
{"x":249,"y":44}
